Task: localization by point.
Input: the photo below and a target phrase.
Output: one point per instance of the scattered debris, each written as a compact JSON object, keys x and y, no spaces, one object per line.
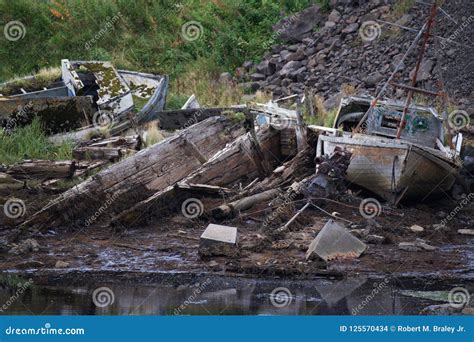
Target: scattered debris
{"x":335,"y":242}
{"x":466,"y":231}
{"x":26,"y":246}
{"x":219,"y":240}
{"x":416,"y":246}
{"x":61,"y":264}
{"x":416,"y":228}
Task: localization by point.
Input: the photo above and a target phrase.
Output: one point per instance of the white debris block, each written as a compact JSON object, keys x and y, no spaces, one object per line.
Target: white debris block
{"x":219,"y":240}
{"x":466,"y":231}
{"x":416,"y":228}
{"x":335,"y":241}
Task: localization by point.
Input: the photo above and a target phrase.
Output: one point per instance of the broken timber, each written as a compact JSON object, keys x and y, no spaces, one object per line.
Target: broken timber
{"x":140,"y":176}
{"x":225,"y":168}
{"x":42,"y":169}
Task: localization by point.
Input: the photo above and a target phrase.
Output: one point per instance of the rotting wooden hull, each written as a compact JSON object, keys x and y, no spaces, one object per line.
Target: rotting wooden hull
{"x":393,"y":170}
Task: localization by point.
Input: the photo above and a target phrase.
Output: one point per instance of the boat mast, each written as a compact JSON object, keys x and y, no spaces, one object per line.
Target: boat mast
{"x":427,"y":35}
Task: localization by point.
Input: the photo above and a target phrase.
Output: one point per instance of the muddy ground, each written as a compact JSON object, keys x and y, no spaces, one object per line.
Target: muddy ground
{"x":170,"y":245}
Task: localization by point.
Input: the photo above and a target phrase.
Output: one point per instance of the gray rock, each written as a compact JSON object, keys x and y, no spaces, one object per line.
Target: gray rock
{"x":266,"y":68}
{"x":373,"y":79}
{"x":417,"y":246}
{"x":425,"y":70}
{"x":289,"y":67}
{"x":332,"y":102}
{"x":375,"y":239}
{"x":257,"y":77}
{"x":296,"y":56}
{"x":61,"y":264}
{"x":298,"y":26}
{"x":351,"y":28}
{"x":26,"y":246}
{"x":334,"y":16}
{"x":247,"y":65}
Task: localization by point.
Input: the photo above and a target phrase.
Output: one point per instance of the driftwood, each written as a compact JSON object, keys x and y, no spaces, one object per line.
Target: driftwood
{"x":231,"y":209}
{"x":226,"y":168}
{"x":140,"y":176}
{"x":42,"y":169}
{"x":107,"y":153}
{"x":132,"y":142}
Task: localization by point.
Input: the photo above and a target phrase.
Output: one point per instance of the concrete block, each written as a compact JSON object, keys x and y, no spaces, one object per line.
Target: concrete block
{"x":335,"y":241}
{"x":219,"y":240}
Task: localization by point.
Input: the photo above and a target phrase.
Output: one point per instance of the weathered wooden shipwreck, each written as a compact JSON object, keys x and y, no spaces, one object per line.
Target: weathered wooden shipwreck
{"x":86,"y":97}
{"x":416,"y":165}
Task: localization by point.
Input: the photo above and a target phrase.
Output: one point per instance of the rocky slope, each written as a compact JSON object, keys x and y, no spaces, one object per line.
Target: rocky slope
{"x":323,"y":50}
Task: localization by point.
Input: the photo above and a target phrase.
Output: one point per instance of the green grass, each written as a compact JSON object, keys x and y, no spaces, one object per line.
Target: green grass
{"x":30,"y":142}
{"x":139,"y":35}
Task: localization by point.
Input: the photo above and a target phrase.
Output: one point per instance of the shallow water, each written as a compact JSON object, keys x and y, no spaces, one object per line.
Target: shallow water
{"x":217,"y":296}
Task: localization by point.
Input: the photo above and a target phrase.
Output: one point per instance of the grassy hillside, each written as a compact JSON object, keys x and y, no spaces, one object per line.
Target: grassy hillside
{"x":141,"y":34}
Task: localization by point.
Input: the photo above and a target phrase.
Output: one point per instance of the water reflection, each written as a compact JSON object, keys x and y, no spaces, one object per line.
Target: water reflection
{"x":356,"y":295}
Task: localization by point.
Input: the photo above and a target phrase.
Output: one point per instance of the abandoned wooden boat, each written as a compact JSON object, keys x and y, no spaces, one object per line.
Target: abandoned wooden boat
{"x":415,"y":166}
{"x":82,"y":98}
